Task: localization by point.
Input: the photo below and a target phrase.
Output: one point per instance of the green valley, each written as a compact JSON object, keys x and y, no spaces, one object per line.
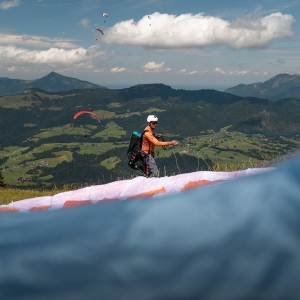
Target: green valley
{"x":42,"y":146}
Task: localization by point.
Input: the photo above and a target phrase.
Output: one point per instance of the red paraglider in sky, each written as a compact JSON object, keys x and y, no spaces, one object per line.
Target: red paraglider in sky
{"x":86,"y":112}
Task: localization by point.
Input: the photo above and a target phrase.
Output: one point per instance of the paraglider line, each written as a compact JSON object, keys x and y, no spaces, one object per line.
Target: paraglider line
{"x":209,"y":168}
{"x":176,"y":162}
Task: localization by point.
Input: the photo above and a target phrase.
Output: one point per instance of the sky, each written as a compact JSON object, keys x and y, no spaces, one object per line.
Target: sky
{"x":189,"y":44}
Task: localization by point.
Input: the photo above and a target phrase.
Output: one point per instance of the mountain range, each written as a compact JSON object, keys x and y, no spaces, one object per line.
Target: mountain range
{"x":278,"y":87}
{"x":184,"y":112}
{"x":53,"y":82}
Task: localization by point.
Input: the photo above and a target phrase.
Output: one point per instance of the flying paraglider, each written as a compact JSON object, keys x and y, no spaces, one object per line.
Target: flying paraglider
{"x":105,"y":15}
{"x":98,"y":30}
{"x":86,"y":112}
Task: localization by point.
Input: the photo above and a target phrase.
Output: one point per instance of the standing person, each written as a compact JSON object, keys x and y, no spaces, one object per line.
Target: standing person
{"x":149,"y":142}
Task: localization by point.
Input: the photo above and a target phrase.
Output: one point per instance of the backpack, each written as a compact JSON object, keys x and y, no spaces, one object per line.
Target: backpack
{"x":136,"y":160}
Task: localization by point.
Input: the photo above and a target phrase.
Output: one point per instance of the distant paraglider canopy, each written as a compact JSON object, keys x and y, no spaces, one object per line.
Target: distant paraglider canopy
{"x":86,"y":112}
{"x":105,"y":15}
{"x":99,"y":30}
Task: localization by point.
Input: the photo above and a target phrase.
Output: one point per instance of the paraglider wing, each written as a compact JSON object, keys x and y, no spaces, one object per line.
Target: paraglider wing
{"x":99,"y":30}
{"x":86,"y":112}
{"x":105,"y":15}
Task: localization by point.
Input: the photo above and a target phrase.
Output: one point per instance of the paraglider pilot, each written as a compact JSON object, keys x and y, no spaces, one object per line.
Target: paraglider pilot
{"x":149,"y":142}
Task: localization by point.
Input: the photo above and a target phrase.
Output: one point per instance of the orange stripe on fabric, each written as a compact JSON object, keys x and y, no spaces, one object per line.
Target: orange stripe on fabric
{"x":9,"y":209}
{"x":73,"y":203}
{"x":108,"y":200}
{"x":148,"y":194}
{"x":194,"y":184}
{"x":42,"y":207}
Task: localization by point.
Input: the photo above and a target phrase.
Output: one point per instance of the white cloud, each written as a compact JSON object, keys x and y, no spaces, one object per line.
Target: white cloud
{"x":198,"y":31}
{"x":216,"y":70}
{"x":219,"y":70}
{"x":11,"y":54}
{"x":238,"y":72}
{"x":185,"y":72}
{"x":154,"y":67}
{"x":117,"y":70}
{"x":9,"y":4}
{"x":12,"y":69}
{"x":98,"y":70}
{"x":85,"y":23}
{"x":35,"y":41}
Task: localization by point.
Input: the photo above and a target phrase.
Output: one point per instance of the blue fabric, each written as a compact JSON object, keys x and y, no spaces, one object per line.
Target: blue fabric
{"x":137,"y":133}
{"x":233,"y":240}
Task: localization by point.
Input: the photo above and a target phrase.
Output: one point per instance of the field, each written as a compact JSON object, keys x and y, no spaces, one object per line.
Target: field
{"x":227,"y":151}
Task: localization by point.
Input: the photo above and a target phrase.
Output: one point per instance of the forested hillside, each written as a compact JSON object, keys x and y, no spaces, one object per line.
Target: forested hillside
{"x":41,"y":142}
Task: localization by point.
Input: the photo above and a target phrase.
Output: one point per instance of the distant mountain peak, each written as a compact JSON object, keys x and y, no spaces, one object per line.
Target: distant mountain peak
{"x":278,"y":87}
{"x":52,"y":82}
{"x":57,"y":76}
{"x":53,"y":74}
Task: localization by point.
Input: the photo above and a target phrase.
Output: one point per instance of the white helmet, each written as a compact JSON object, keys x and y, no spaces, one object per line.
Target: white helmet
{"x":152,"y":118}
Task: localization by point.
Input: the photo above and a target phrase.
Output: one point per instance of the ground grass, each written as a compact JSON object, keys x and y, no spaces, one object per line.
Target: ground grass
{"x":153,"y":110}
{"x":8,"y":195}
{"x":17,"y":101}
{"x":27,"y":100}
{"x":111,"y":130}
{"x":110,"y":162}
{"x":65,"y":129}
{"x":105,"y":114}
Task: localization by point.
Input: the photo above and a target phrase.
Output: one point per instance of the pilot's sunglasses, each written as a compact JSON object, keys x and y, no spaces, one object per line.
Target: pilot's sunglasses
{"x":154,"y":123}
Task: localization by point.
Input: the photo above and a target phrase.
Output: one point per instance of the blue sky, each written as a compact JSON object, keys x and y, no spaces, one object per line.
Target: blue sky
{"x":190,"y":44}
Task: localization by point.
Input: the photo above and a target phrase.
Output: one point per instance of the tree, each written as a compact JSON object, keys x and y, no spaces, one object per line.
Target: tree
{"x":2,"y":184}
